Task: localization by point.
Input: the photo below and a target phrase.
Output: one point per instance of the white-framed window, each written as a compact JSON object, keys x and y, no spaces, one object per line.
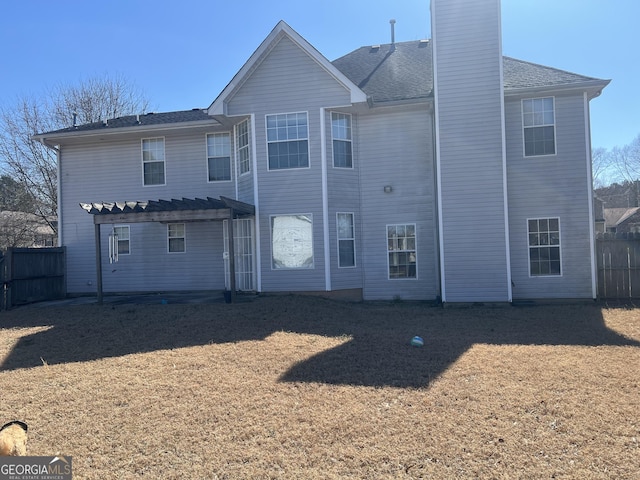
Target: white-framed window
{"x":176,"y":239}
{"x":288,"y":140}
{"x":242,"y":147}
{"x":153,"y":161}
{"x":219,"y":157}
{"x":341,"y":134}
{"x":538,"y":123}
{"x":124,"y":239}
{"x":346,"y":240}
{"x":291,"y":241}
{"x":544,"y":247}
{"x":402,"y":253}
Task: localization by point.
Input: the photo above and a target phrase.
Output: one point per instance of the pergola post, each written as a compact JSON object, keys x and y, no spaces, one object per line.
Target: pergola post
{"x":98,"y":263}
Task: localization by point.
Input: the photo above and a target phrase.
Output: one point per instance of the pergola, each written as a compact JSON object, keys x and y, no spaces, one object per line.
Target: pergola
{"x":168,"y":211}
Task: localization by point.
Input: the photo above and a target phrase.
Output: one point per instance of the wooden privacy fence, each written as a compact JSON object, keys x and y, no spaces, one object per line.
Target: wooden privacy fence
{"x":618,"y":258}
{"x":32,"y":275}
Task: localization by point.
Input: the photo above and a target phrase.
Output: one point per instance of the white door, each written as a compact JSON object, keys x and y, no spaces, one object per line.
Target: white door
{"x":243,"y":234}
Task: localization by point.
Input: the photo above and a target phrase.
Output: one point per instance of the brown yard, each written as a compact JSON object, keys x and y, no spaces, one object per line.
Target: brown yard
{"x":303,"y":387}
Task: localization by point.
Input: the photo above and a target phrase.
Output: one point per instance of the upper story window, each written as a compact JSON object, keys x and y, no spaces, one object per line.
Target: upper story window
{"x":242,"y":147}
{"x":538,"y":120}
{"x":287,"y":140}
{"x":341,"y":133}
{"x":544,"y":246}
{"x":153,"y":161}
{"x":219,"y":157}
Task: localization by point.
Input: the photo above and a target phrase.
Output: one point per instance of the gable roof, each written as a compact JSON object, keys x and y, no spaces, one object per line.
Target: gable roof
{"x":616,"y":216}
{"x":280,"y":30}
{"x":403,"y":72}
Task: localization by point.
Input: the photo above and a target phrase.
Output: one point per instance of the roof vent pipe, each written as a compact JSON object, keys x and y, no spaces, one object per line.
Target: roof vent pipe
{"x":393,"y":31}
{"x":75,"y":119}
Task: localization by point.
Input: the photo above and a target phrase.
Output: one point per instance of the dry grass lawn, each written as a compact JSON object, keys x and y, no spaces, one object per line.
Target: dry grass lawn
{"x":303,"y":387}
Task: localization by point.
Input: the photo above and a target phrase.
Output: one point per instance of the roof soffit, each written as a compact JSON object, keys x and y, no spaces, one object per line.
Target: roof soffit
{"x":282,"y":29}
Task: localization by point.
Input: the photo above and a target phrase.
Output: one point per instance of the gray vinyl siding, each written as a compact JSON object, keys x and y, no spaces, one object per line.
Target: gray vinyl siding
{"x":344,"y":197}
{"x":395,"y":148}
{"x":113,"y":171}
{"x":468,"y":89}
{"x":550,"y":186}
{"x":288,"y":81}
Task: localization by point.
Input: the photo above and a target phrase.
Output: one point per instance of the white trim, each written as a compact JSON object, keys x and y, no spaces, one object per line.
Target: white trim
{"x":128,"y":227}
{"x":266,"y":136}
{"x":231,"y":162}
{"x":59,"y":194}
{"x":350,"y":139}
{"x":503,"y":135}
{"x":325,"y":200}
{"x":592,"y":232}
{"x":184,"y":237}
{"x":555,"y":127}
{"x":529,"y":247}
{"x":164,"y":160}
{"x":353,"y":238}
{"x":219,"y":105}
{"x":386,"y":239}
{"x":256,"y":201}
{"x":436,"y":114}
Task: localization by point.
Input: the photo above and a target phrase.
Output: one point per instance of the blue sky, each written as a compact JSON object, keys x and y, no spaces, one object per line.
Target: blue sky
{"x":183,"y":53}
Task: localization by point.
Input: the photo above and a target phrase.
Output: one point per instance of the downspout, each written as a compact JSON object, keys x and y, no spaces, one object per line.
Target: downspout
{"x":592,"y":232}
{"x":325,"y":202}
{"x":436,"y":204}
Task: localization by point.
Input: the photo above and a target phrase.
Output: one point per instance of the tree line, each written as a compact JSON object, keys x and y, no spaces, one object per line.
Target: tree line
{"x":28,"y":169}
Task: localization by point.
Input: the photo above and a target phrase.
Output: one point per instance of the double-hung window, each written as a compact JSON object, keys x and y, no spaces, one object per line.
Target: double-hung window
{"x":346,"y":240}
{"x":544,"y":246}
{"x":176,"y":238}
{"x":242,"y":147}
{"x":123,"y":234}
{"x":288,"y":141}
{"x":538,"y":120}
{"x":401,"y":246}
{"x":341,"y":134}
{"x":219,"y":157}
{"x":153,"y":161}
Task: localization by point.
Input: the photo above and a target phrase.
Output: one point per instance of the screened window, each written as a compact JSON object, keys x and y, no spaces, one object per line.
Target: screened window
{"x":287,"y":141}
{"x":292,"y":241}
{"x":538,"y":119}
{"x":219,"y":157}
{"x":544,"y":246}
{"x":153,"y":161}
{"x":176,"y":237}
{"x":123,"y":233}
{"x":242,"y":146}
{"x":346,"y":240}
{"x":341,"y":133}
{"x":401,"y":244}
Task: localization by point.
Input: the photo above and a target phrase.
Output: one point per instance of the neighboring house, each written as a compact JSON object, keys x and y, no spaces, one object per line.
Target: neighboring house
{"x":424,"y":170}
{"x":598,"y":215}
{"x":21,"y":229}
{"x":622,"y":220}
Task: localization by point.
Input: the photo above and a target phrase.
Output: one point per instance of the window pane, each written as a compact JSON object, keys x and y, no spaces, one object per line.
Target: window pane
{"x":154,"y":173}
{"x":346,"y":254}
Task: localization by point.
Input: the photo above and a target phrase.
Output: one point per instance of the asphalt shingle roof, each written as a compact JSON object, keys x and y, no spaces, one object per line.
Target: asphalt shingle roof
{"x":145,"y":119}
{"x":403,"y":72}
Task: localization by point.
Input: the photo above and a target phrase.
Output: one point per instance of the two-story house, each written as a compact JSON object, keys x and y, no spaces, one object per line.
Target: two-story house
{"x":432,"y":169}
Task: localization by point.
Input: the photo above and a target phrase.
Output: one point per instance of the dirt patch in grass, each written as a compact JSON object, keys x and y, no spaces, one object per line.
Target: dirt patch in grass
{"x":303,"y":387}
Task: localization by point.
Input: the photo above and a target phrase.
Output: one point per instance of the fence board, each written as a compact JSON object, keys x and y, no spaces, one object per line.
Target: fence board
{"x":33,"y":275}
{"x":618,"y":258}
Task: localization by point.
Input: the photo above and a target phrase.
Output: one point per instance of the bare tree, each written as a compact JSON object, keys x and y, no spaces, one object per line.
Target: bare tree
{"x":627,"y":160}
{"x":33,"y":164}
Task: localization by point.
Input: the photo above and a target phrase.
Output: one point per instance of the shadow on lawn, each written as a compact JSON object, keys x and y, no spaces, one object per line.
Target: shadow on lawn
{"x":378,"y":353}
